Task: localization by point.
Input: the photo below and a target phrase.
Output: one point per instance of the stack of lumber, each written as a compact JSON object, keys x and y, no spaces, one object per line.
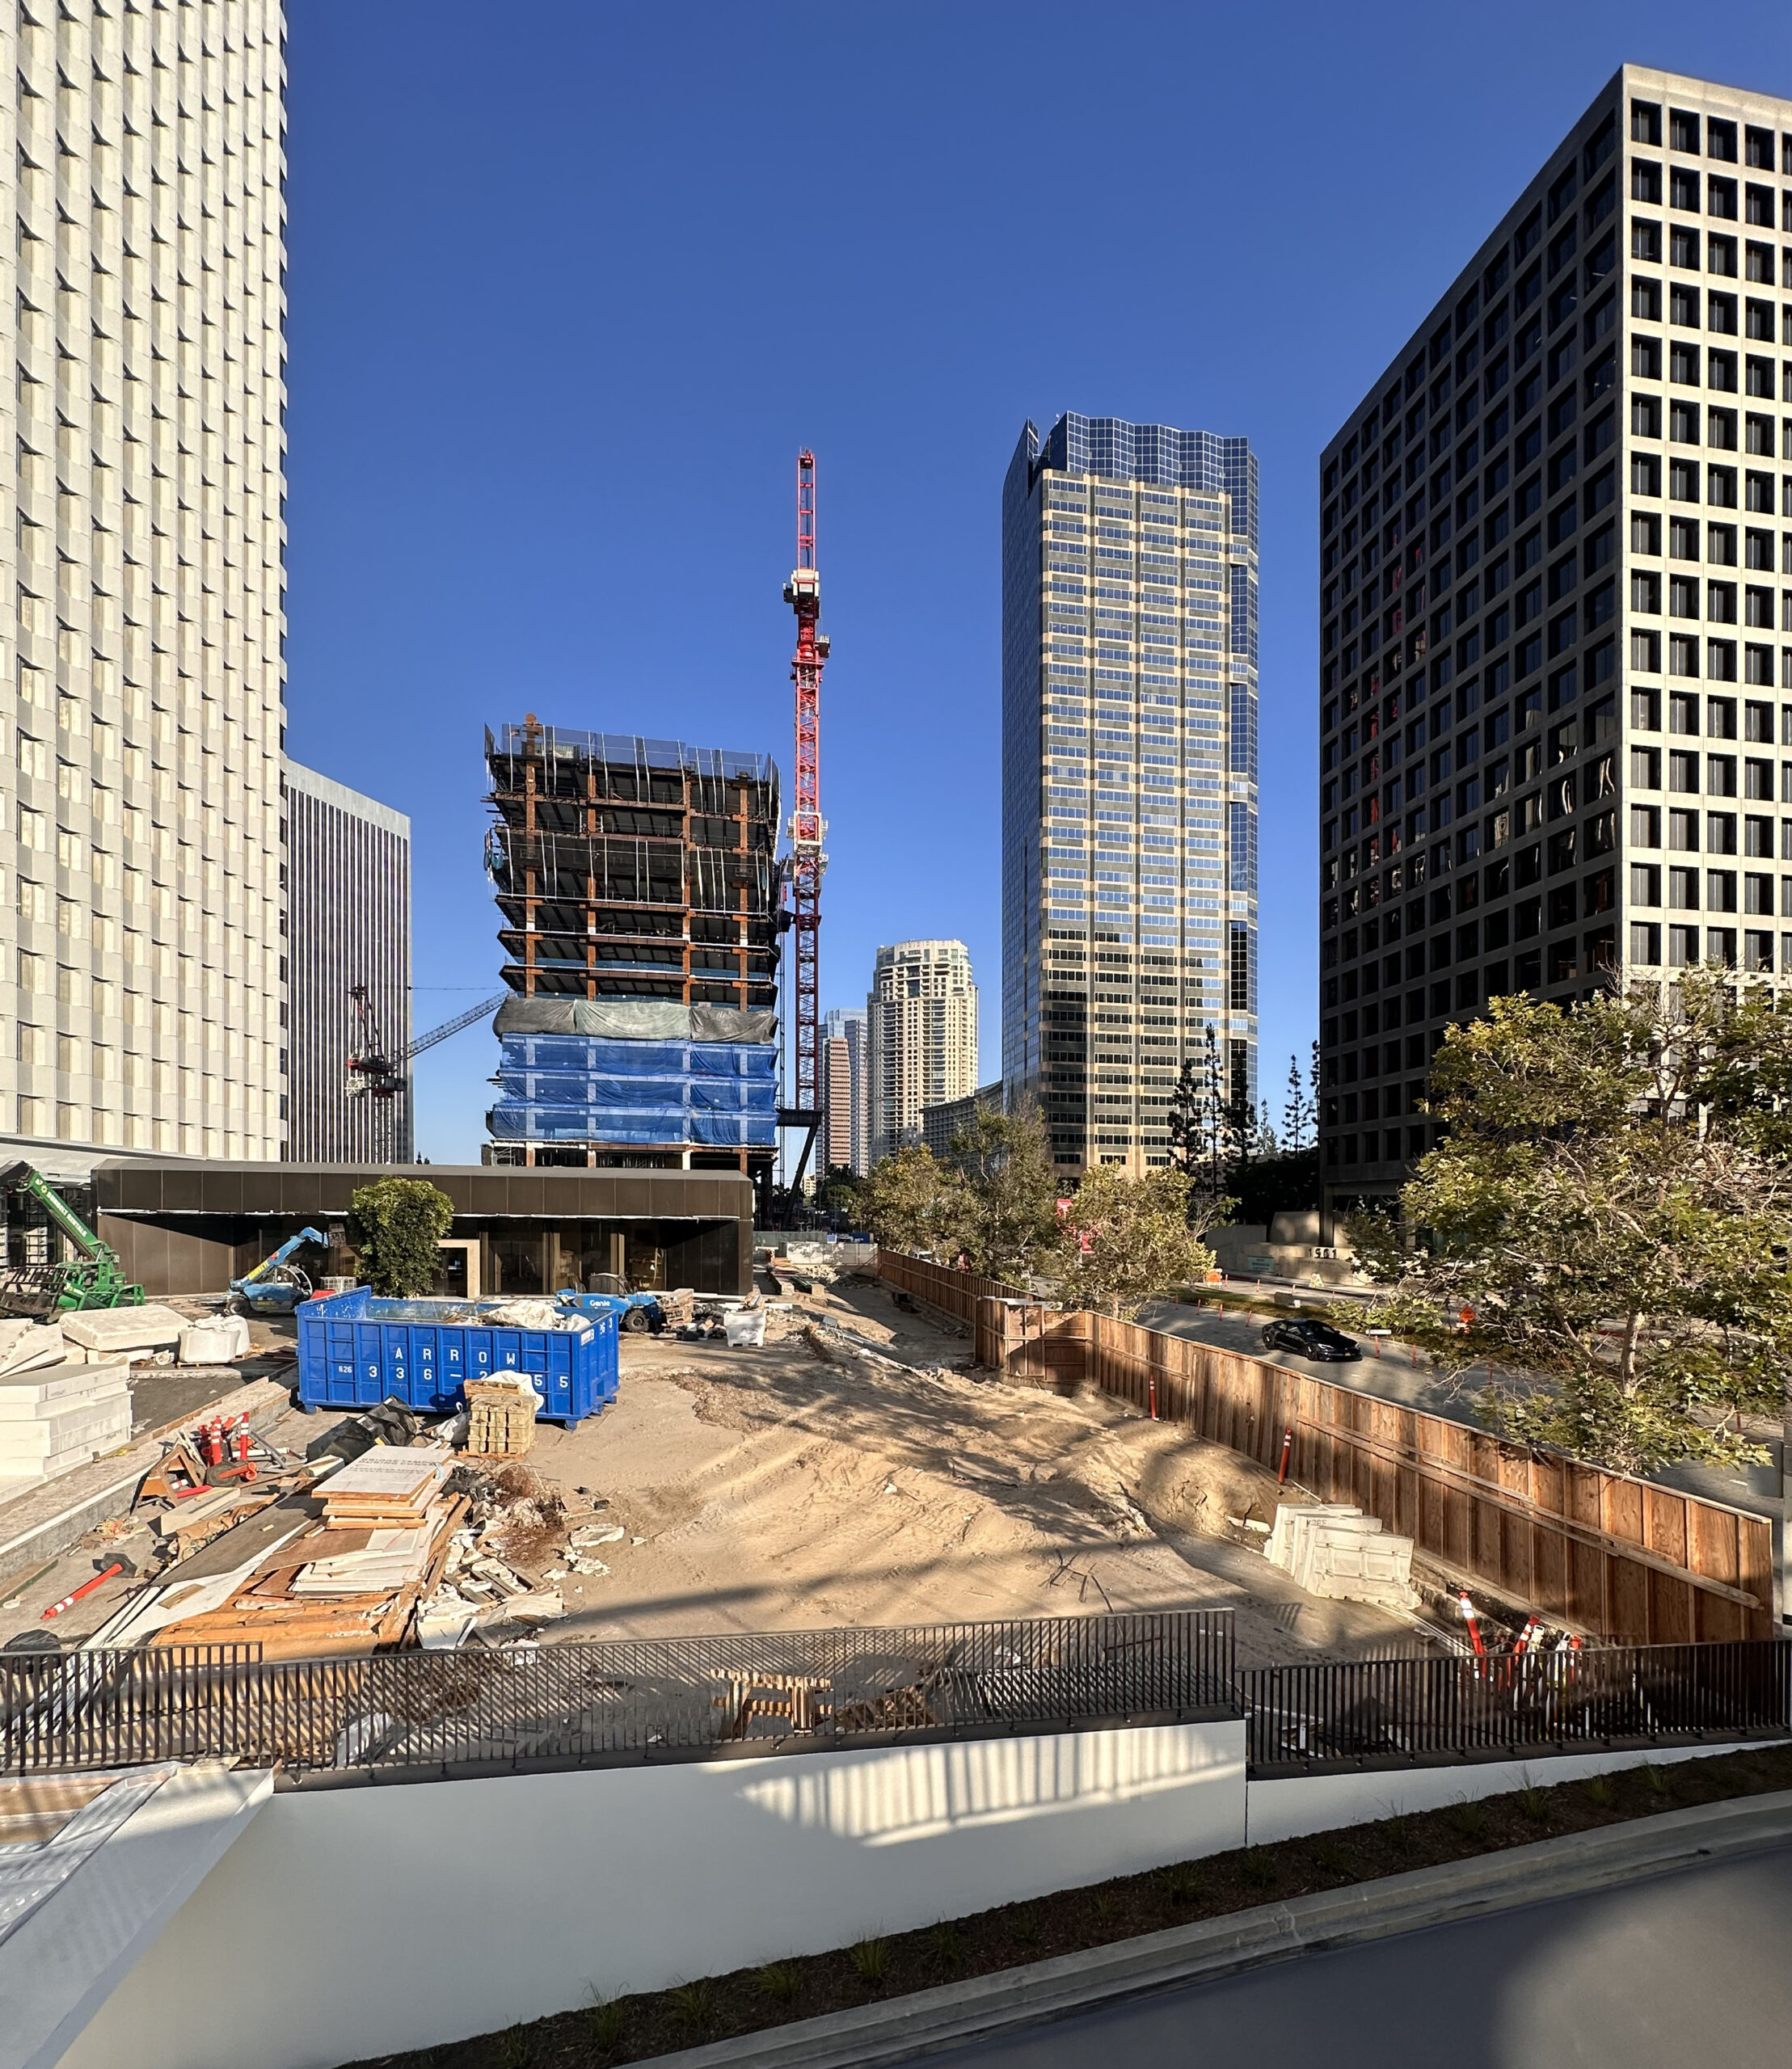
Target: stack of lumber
{"x":1333,"y":1549}
{"x":500,"y":1417}
{"x":53,"y":1417}
{"x":338,"y":1569}
{"x":386,"y":1485}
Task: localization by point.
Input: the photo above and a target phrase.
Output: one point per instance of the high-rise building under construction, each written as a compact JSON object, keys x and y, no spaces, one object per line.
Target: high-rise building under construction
{"x":1129,"y":777}
{"x":639,"y":902}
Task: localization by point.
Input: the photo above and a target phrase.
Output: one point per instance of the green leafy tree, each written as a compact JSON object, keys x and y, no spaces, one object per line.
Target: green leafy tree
{"x":1607,"y":1223}
{"x":1131,"y":1239}
{"x":396,"y":1225}
{"x":908,"y":1202}
{"x":1004,"y":1211}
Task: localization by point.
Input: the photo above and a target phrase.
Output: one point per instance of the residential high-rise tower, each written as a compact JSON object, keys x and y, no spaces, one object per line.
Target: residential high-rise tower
{"x":1129,"y":777}
{"x":143,"y":965}
{"x":922,"y":1036}
{"x":845,"y":1093}
{"x":1555,"y":589}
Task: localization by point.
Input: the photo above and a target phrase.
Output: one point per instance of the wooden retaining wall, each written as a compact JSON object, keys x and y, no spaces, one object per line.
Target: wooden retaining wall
{"x":1624,"y":1559}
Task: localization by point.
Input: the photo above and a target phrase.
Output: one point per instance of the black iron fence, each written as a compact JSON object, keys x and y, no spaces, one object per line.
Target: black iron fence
{"x":1344,"y":1713}
{"x":621,"y":1699}
{"x":814,"y":1691}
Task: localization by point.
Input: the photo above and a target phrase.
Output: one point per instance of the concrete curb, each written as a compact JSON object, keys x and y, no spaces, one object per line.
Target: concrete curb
{"x":1578,"y":1862}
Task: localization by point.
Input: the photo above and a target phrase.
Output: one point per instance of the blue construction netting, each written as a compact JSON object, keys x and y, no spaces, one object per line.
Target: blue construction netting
{"x":572,"y":1088}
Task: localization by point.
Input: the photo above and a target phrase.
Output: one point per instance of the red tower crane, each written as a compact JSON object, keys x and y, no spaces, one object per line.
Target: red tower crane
{"x":806,"y":861}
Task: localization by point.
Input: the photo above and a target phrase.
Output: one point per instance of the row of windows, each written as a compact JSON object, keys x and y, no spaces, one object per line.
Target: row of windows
{"x":1759,"y":206}
{"x":1435,"y":996}
{"x":1720,"y":605}
{"x":1683,"y":127}
{"x":1682,"y":251}
{"x":1715,"y":484}
{"x":1721,"y":368}
{"x":1683,"y":420}
{"x":1686,"y":887}
{"x":1721,"y":309}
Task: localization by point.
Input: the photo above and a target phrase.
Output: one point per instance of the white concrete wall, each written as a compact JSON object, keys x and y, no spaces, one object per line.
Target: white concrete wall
{"x":1286,"y":1810}
{"x":354,"y":1923}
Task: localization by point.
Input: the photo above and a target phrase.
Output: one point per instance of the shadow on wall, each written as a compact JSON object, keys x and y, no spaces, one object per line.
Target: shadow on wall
{"x":505,"y":1899}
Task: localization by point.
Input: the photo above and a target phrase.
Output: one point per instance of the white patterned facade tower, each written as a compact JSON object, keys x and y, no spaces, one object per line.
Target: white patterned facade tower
{"x":141,"y":860}
{"x":921,"y":1037}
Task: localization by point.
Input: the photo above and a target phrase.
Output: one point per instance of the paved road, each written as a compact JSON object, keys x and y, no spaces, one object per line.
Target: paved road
{"x":1695,"y":1967}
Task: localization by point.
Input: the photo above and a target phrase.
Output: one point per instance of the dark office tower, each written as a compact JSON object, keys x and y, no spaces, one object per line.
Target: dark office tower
{"x":1129,"y":778}
{"x":348,"y":901}
{"x":1555,"y":648}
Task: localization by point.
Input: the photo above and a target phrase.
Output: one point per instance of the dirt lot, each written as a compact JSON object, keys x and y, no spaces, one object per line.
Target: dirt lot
{"x":808,"y":1483}
{"x":853,"y":1472}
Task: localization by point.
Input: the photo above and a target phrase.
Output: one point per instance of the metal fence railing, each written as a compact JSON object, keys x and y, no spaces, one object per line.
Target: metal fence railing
{"x":1343,"y":1713}
{"x":620,"y":1698}
{"x":814,"y":1691}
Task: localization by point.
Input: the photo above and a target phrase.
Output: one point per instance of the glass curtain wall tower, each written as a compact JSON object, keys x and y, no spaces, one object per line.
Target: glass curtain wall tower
{"x":1555,"y":589}
{"x":1129,"y":777}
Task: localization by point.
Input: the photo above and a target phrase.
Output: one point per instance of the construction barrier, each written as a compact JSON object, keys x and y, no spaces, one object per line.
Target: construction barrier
{"x":1624,"y":1559}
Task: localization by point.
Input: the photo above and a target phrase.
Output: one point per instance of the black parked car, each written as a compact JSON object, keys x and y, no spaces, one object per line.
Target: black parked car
{"x":1307,"y":1338}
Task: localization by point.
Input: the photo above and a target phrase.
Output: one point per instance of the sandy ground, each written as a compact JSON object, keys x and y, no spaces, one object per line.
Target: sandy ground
{"x":814,"y":1483}
{"x":790,"y":1487}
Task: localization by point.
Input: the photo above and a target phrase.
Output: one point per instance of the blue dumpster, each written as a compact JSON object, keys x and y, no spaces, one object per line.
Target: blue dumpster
{"x":357,"y":1349}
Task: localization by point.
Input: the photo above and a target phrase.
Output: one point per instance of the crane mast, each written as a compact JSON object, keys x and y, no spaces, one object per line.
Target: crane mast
{"x":806,"y":861}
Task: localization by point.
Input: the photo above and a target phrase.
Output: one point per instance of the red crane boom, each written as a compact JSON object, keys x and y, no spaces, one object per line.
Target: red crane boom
{"x":804,"y":865}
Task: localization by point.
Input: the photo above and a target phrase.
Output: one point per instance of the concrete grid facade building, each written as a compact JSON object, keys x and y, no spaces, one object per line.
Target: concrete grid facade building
{"x":141,"y":965}
{"x":845,"y":1093}
{"x":1130,"y":776}
{"x":348,"y":898}
{"x":921,"y":1036}
{"x":1555,"y":589}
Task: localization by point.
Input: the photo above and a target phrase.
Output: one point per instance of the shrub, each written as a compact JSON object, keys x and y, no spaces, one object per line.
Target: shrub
{"x":397,"y":1224}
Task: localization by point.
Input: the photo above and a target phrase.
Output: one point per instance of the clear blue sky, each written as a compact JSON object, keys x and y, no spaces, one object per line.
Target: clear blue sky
{"x":570,"y":285}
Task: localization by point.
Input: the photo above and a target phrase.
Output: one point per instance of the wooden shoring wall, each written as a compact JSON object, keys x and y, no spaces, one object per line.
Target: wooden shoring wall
{"x":1629,"y":1561}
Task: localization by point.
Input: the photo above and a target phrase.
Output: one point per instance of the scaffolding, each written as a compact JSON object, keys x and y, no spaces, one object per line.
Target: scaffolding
{"x":631,"y":869}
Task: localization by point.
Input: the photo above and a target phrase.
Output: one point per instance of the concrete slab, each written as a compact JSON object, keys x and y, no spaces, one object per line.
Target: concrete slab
{"x":113,"y":1330}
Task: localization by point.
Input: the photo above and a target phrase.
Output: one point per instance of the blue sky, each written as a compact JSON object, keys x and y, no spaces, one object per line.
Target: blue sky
{"x":570,"y":286}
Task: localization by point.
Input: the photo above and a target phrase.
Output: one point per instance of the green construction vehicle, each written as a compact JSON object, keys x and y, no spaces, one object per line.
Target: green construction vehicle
{"x":93,"y":1279}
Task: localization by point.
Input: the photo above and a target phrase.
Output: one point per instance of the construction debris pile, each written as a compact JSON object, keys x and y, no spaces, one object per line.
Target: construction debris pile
{"x":382,"y":1538}
{"x":1330,"y":1549}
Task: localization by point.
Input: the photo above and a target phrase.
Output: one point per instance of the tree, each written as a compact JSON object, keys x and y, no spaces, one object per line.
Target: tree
{"x":1604,"y":1222}
{"x":1130,"y":1239}
{"x":908,"y":1202}
{"x":1186,"y":1120}
{"x":1266,"y":1143}
{"x":1004,"y":1214}
{"x":397,"y":1224}
{"x":1299,"y":1112}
